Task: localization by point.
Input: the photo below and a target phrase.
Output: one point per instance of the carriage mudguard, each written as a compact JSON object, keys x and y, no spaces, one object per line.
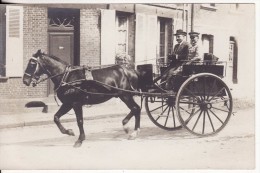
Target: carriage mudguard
{"x":145,"y":72}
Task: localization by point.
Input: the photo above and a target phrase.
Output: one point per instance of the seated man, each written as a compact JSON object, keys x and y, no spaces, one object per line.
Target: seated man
{"x":194,"y":52}
{"x":180,"y":53}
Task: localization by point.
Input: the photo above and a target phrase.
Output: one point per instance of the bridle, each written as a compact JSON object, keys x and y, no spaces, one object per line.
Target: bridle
{"x":35,"y":78}
{"x":33,"y":68}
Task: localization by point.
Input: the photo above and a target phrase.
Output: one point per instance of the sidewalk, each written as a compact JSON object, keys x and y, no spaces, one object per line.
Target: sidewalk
{"x":111,"y":108}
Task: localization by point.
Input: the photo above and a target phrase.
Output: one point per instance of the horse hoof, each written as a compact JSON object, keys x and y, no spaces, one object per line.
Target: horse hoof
{"x":70,"y":132}
{"x":126,"y":129}
{"x":134,"y":134}
{"x":131,"y":137}
{"x":77,"y":144}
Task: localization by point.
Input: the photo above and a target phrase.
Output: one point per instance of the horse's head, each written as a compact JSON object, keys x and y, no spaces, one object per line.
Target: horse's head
{"x":34,"y":69}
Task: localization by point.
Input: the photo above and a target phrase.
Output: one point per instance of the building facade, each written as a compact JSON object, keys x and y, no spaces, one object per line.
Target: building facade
{"x":94,"y":34}
{"x":228,"y":31}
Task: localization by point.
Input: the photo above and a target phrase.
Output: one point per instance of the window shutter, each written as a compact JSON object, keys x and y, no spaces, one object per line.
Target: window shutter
{"x":151,"y":41}
{"x":14,"y":41}
{"x":108,"y":37}
{"x":140,"y":37}
{"x":170,"y":39}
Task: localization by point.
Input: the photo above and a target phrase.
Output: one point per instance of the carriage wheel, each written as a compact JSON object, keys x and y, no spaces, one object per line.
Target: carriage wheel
{"x":204,"y":104}
{"x":162,"y":112}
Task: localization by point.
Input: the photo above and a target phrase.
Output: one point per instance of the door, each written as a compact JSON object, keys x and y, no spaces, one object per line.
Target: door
{"x":61,"y":45}
{"x":230,"y":60}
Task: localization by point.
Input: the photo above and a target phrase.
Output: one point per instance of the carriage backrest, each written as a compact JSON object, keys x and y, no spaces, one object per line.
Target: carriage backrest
{"x":194,"y":69}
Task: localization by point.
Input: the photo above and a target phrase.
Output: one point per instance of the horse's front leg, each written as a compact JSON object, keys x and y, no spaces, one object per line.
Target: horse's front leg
{"x":136,"y":111}
{"x":63,"y":110}
{"x":79,"y":115}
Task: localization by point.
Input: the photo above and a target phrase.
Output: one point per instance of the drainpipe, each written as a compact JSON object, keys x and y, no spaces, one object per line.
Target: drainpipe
{"x":192,"y":18}
{"x":183,"y":16}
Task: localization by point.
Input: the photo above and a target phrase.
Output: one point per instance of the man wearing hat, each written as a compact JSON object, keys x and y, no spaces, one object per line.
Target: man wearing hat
{"x":181,"y":49}
{"x":180,"y":53}
{"x":194,"y":48}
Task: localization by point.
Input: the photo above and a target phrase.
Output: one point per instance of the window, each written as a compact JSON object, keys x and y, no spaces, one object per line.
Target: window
{"x":165,"y":38}
{"x":162,"y":39}
{"x":122,"y":34}
{"x":207,"y":43}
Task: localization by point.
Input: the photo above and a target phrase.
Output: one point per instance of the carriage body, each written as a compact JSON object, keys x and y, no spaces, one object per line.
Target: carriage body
{"x":200,"y":101}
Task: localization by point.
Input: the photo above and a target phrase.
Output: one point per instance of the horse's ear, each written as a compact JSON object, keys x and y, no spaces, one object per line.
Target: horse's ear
{"x":39,"y":51}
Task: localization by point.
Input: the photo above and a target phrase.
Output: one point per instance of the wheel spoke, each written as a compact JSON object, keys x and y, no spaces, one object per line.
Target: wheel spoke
{"x":217,"y":93}
{"x":188,"y":102}
{"x":167,"y":117}
{"x":211,"y":89}
{"x":191,"y":116}
{"x":192,"y":94}
{"x":203,"y":128}
{"x":173,"y":116}
{"x":197,"y":121}
{"x":155,"y":101}
{"x":196,"y":88}
{"x":204,"y":88}
{"x":186,"y":110}
{"x":219,"y":101}
{"x":220,"y":109}
{"x":158,"y":107}
{"x":216,"y":116}
{"x":210,"y":121}
{"x":162,"y":113}
{"x":164,"y":110}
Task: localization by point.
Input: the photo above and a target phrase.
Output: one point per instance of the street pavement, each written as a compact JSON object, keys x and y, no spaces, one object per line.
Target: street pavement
{"x":106,"y":146}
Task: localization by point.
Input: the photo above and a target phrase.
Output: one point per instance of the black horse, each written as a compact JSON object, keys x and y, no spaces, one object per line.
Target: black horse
{"x":74,"y":91}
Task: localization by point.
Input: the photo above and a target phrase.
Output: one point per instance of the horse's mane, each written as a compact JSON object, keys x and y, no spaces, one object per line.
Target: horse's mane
{"x":56,"y":58}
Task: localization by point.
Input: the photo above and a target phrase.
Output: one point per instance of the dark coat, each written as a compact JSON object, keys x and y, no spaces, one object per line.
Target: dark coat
{"x":180,"y":52}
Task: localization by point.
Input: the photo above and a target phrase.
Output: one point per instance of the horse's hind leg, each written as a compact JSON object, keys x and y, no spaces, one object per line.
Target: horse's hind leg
{"x":79,"y":114}
{"x":63,"y":110}
{"x":135,"y":111}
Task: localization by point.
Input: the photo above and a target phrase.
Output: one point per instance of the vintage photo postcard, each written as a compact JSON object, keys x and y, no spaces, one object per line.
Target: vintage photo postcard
{"x":129,"y":86}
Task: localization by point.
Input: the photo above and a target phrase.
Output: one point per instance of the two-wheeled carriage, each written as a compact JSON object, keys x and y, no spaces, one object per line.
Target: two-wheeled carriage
{"x":199,"y":100}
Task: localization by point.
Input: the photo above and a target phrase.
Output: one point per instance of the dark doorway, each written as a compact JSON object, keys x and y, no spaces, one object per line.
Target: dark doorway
{"x":64,"y":36}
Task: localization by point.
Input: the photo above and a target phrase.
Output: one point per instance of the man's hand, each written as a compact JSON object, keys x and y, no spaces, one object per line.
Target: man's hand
{"x":172,"y":57}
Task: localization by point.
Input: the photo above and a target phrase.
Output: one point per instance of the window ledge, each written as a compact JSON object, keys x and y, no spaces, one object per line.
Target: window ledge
{"x":208,"y":7}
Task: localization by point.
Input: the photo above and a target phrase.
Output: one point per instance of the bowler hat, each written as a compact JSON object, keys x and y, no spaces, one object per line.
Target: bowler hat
{"x":194,"y":34}
{"x":180,"y":32}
